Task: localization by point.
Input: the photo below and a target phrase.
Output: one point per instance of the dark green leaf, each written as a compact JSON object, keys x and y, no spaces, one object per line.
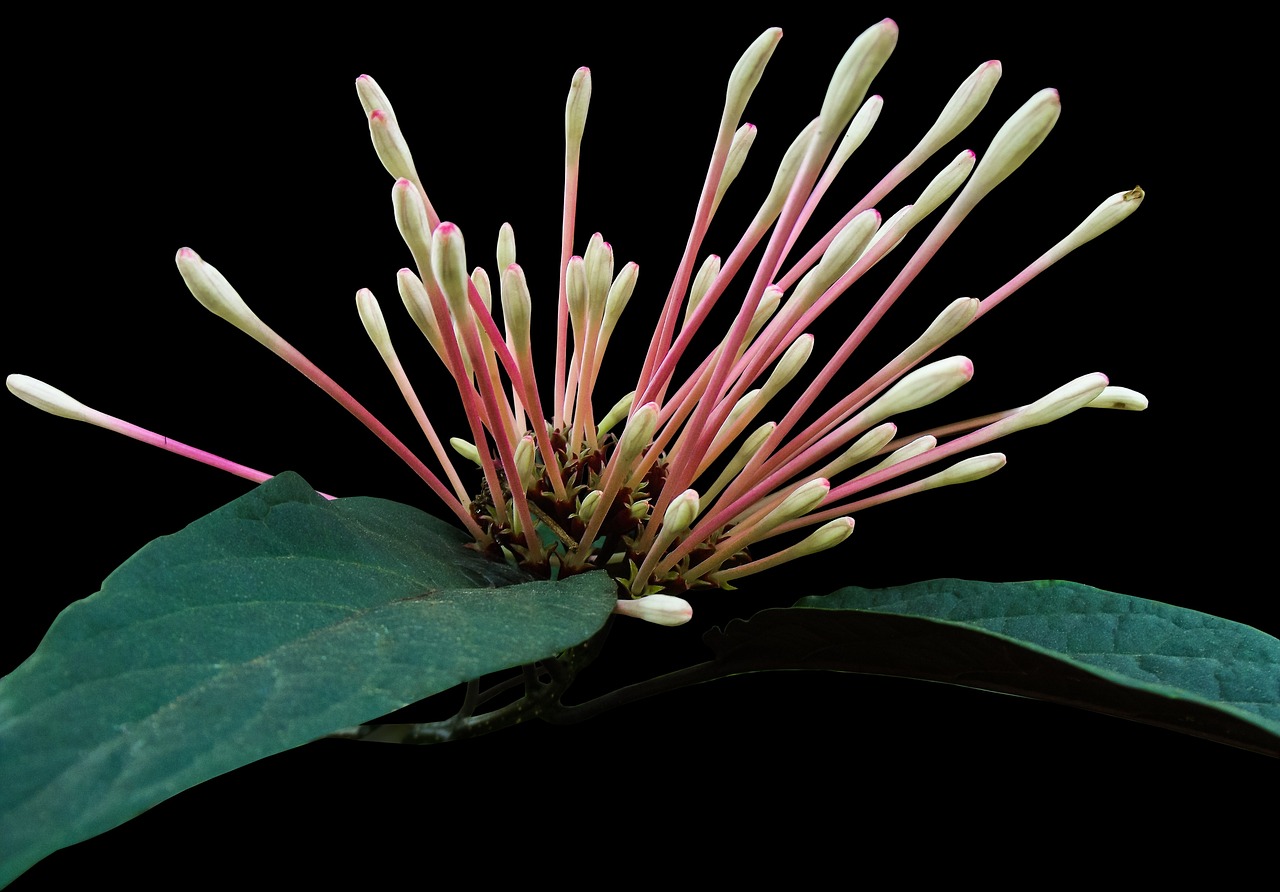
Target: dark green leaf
{"x":272,"y":621}
{"x":1058,"y":641}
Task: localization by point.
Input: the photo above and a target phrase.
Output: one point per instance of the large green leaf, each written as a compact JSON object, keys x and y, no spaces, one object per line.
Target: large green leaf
{"x":272,"y":621}
{"x":1059,"y":641}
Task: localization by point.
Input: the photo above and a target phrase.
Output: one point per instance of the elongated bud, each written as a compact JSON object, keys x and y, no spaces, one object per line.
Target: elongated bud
{"x":616,"y":414}
{"x":746,"y":74}
{"x":789,"y":365}
{"x":47,"y":398}
{"x":372,"y":97}
{"x":414,"y":296}
{"x":1021,"y":135}
{"x":1119,"y":398}
{"x":682,"y":512}
{"x":862,"y":448}
{"x":466,"y":449}
{"x":738,"y":149}
{"x":916,"y":447}
{"x":663,"y":610}
{"x":861,"y":63}
{"x":841,"y":254}
{"x":517,"y":307}
{"x":480,"y":279}
{"x":768,"y":305}
{"x":506,"y":247}
{"x":701,"y":282}
{"x":787,"y":170}
{"x":575,"y":114}
{"x":390,"y":145}
{"x":944,"y":185}
{"x":374,"y":322}
{"x":640,"y":509}
{"x":1106,"y":215}
{"x":619,"y":294}
{"x":217,"y":296}
{"x":449,"y":262}
{"x":576,"y":291}
{"x":413,"y":223}
{"x":961,"y":109}
{"x":589,"y":504}
{"x":954,"y":319}
{"x":857,"y":131}
{"x":803,"y":499}
{"x":925,"y":385}
{"x":525,"y":455}
{"x":966,"y":471}
{"x":638,"y":433}
{"x":598,"y":265}
{"x":829,"y":535}
{"x":1054,"y":405}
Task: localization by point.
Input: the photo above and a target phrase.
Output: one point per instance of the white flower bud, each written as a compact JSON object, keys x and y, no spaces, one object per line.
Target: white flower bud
{"x":526,"y":466}
{"x":663,"y":610}
{"x":47,"y":399}
{"x":701,"y":283}
{"x":449,"y":263}
{"x":682,"y":511}
{"x":616,"y":414}
{"x":390,"y":146}
{"x":1014,"y":142}
{"x":372,"y":97}
{"x":374,"y":322}
{"x":466,"y":449}
{"x":414,"y":223}
{"x":575,"y":114}
{"x":803,"y":499}
{"x":517,"y":308}
{"x":925,"y":385}
{"x":506,"y":247}
{"x":829,"y":535}
{"x":962,"y":108}
{"x":861,"y":63}
{"x":639,"y":433}
{"x":1054,"y":405}
{"x":217,"y":296}
{"x":1119,"y":398}
{"x":414,"y":296}
{"x":738,"y":149}
{"x":1106,"y":215}
{"x":619,"y":294}
{"x":746,"y":74}
{"x":588,"y":506}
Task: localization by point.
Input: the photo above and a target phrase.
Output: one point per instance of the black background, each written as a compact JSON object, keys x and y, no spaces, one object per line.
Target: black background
{"x":244,"y":140}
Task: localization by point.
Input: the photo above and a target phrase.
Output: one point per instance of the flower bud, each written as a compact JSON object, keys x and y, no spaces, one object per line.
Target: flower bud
{"x":1119,"y":398}
{"x":47,"y":399}
{"x":701,"y":283}
{"x":925,"y":385}
{"x":861,"y":63}
{"x":663,"y":610}
{"x":506,"y":247}
{"x":738,"y":149}
{"x":588,"y":506}
{"x":517,"y":308}
{"x":449,"y":263}
{"x":1054,"y":405}
{"x":466,"y":449}
{"x":616,"y":414}
{"x":962,"y":108}
{"x":682,"y":511}
{"x":639,"y":433}
{"x":746,"y":74}
{"x":217,"y":296}
{"x":575,"y":114}
{"x":1014,"y":142}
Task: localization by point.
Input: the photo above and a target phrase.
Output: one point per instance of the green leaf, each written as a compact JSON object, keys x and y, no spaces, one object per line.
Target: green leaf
{"x":271,"y":622}
{"x":1057,"y":641}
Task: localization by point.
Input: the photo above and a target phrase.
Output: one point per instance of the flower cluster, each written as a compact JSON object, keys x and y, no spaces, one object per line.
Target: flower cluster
{"x":678,"y":484}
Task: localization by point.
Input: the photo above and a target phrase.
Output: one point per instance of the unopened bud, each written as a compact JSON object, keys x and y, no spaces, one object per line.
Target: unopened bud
{"x":861,"y":63}
{"x":525,"y":454}
{"x":701,"y":283}
{"x":967,"y":470}
{"x":414,"y":296}
{"x":575,"y":114}
{"x":925,"y":385}
{"x":374,"y":322}
{"x":1054,"y":405}
{"x":1119,"y":398}
{"x":372,"y":97}
{"x":639,"y":433}
{"x":803,"y":499}
{"x":46,"y":398}
{"x":466,"y":449}
{"x":746,"y":74}
{"x":743,"y":137}
{"x":215,"y":293}
{"x":682,"y":511}
{"x":449,"y":263}
{"x":962,"y":108}
{"x":619,"y":294}
{"x":589,"y":504}
{"x":506,"y":247}
{"x":829,"y":535}
{"x":517,"y":307}
{"x":663,"y":610}
{"x":413,"y":222}
{"x":390,"y":146}
{"x":616,"y":414}
{"x":1106,"y":215}
{"x":1021,"y":135}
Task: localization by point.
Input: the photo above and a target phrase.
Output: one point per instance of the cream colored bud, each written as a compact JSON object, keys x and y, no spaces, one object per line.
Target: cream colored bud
{"x":663,"y":610}
{"x":413,"y":223}
{"x":1021,"y":135}
{"x":738,"y":149}
{"x":47,"y":399}
{"x":789,"y":365}
{"x":449,"y":263}
{"x":857,"y":131}
{"x":954,"y":319}
{"x":861,"y":63}
{"x":918,"y":446}
{"x":639,"y":433}
{"x":526,"y":466}
{"x":787,"y":170}
{"x":944,"y":185}
{"x":640,"y":509}
{"x":962,"y":108}
{"x":1119,"y":398}
{"x":372,"y":98}
{"x":1106,"y":215}
{"x":575,"y":114}
{"x":506,"y":247}
{"x":862,"y":448}
{"x":1054,"y":405}
{"x":390,"y":145}
{"x":682,"y":512}
{"x":215,"y":293}
{"x":803,"y":499}
{"x":598,"y":266}
{"x":588,"y":506}
{"x":829,"y":535}
{"x":925,"y":385}
{"x":517,"y":307}
{"x":701,"y":283}
{"x":466,"y":449}
{"x":967,"y":470}
{"x":619,"y":294}
{"x":746,"y":74}
{"x":576,"y":291}
{"x":480,"y":279}
{"x":374,"y":322}
{"x":768,"y":305}
{"x":841,"y":254}
{"x":616,"y":414}
{"x":414,"y":296}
